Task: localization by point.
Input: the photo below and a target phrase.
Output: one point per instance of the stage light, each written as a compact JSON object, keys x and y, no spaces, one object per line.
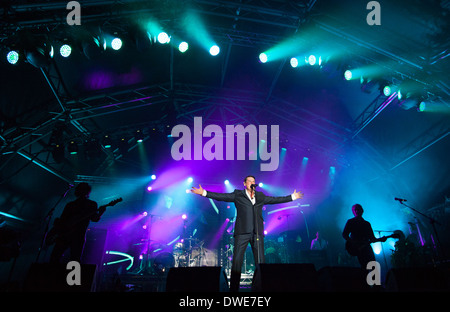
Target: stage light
{"x":139,"y":136}
{"x":260,"y":184}
{"x":153,"y":177}
{"x":106,"y":142}
{"x":145,"y":213}
{"x":72,"y":148}
{"x":214,"y":50}
{"x":332,"y":170}
{"x":123,"y":146}
{"x":163,"y":38}
{"x":348,"y":74}
{"x":58,"y":153}
{"x":294,"y":62}
{"x":183,"y":46}
{"x":227,"y":182}
{"x":312,"y":60}
{"x":12,"y":57}
{"x":149,"y":188}
{"x":263,"y":57}
{"x":94,"y":47}
{"x":190,"y":180}
{"x":387,"y":91}
{"x":40,"y":56}
{"x":184,"y":216}
{"x":116,"y":44}
{"x":422,"y":106}
{"x":65,"y":50}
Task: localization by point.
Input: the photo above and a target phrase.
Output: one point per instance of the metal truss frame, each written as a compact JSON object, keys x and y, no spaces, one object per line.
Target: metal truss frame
{"x":185,"y":100}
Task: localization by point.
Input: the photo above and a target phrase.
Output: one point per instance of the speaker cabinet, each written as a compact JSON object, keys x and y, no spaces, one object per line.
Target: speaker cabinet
{"x":418,"y":279}
{"x":285,"y":277}
{"x":197,"y":279}
{"x":337,"y":279}
{"x":45,"y":277}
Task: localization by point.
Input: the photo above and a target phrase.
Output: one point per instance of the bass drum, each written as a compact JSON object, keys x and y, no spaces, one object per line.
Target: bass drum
{"x":163,"y":262}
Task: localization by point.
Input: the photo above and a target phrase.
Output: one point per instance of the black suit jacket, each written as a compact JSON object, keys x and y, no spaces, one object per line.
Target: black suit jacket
{"x":249,"y":217}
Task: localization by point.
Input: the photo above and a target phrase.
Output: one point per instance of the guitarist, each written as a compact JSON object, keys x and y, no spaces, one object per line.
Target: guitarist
{"x":72,"y":225}
{"x":359,"y":235}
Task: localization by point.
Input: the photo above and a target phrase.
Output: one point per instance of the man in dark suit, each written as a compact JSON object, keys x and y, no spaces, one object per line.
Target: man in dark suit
{"x":249,"y":226}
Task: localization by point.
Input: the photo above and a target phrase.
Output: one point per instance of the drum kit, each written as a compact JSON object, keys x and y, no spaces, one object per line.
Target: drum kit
{"x":188,"y":252}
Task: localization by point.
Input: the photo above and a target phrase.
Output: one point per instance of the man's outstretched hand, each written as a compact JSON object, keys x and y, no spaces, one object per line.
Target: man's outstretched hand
{"x":198,"y":191}
{"x":298,"y":195}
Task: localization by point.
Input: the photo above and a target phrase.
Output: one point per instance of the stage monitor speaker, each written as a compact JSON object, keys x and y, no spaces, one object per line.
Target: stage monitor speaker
{"x":289,"y":277}
{"x":45,"y":277}
{"x":197,"y":279}
{"x":418,"y":279}
{"x":346,"y":279}
{"x":94,"y":248}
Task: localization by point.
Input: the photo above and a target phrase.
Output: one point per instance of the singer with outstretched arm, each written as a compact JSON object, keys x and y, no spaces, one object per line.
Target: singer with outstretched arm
{"x":249,"y":225}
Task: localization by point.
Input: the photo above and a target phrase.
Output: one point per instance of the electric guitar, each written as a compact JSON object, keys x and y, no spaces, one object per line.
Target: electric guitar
{"x":60,"y":230}
{"x":354,"y":247}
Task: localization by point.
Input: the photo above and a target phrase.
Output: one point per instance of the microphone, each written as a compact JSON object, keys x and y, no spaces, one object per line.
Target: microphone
{"x":253,"y":186}
{"x":400,"y":199}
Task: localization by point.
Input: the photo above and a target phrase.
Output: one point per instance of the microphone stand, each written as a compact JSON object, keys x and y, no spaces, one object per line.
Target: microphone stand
{"x":433,"y":223}
{"x":258,"y":258}
{"x":382,"y":248}
{"x":49,"y":218}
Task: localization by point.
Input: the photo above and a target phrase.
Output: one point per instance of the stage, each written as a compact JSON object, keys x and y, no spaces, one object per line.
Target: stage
{"x":152,"y":141}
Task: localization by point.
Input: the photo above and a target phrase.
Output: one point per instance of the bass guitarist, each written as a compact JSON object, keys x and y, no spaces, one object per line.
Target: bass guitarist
{"x":70,"y":228}
{"x":359,"y":235}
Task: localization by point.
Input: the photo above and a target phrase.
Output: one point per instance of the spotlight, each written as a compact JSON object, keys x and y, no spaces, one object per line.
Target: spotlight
{"x":422,"y":106}
{"x":387,"y":91}
{"x":139,"y":136}
{"x":65,"y":50}
{"x":227,"y":182}
{"x":190,"y":180}
{"x":58,"y":153}
{"x":40,"y":56}
{"x":163,"y":38}
{"x":348,"y":74}
{"x":72,"y":148}
{"x":263,"y":58}
{"x":12,"y":57}
{"x":214,"y":50}
{"x":93,"y":47}
{"x":116,"y":43}
{"x":123,"y":146}
{"x":153,"y":177}
{"x":183,"y":46}
{"x":312,"y":60}
{"x":294,"y":62}
{"x":145,"y":213}
{"x":106,"y":142}
{"x":149,"y":188}
{"x":184,"y":216}
{"x":260,"y":184}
